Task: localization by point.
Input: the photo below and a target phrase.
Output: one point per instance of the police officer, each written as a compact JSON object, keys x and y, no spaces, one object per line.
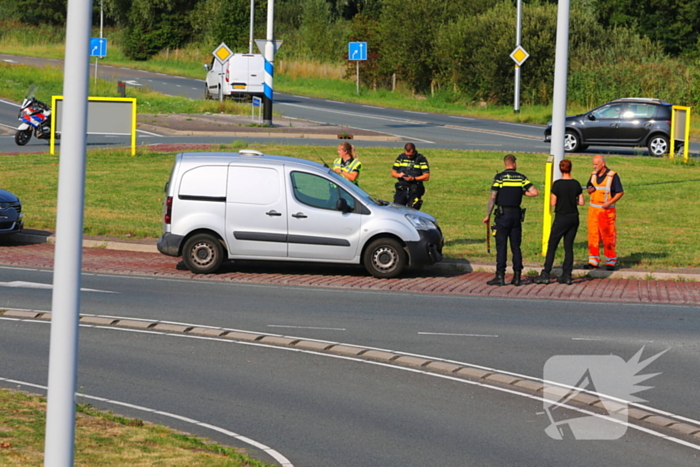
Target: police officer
{"x":506,"y":194}
{"x":347,"y":165}
{"x":411,"y":170}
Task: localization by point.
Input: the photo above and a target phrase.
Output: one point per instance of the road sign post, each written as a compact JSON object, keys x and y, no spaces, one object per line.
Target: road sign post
{"x":357,"y":51}
{"x":222,"y":53}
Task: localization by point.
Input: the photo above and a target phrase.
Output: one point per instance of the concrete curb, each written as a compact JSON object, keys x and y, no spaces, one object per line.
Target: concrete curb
{"x":265,"y":134}
{"x":491,"y":376}
{"x":35,"y":236}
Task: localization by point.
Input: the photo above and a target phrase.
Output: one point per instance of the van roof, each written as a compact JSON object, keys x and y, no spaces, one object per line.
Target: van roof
{"x":225,"y":158}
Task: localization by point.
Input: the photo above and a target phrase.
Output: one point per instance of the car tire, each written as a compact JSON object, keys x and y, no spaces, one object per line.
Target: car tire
{"x":572,"y":143}
{"x":385,"y":258}
{"x":658,"y":145}
{"x":207,"y":94}
{"x":22,"y":137}
{"x":203,"y":254}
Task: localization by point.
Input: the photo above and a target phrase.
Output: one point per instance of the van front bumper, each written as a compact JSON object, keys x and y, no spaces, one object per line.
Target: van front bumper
{"x":169,"y":244}
{"x":427,"y":250}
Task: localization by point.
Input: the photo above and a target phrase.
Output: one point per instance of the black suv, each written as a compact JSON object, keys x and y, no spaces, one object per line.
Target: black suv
{"x":622,"y":122}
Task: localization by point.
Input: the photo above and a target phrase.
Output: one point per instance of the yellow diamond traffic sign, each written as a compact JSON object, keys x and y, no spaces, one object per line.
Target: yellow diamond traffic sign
{"x":519,"y":55}
{"x":222,"y":53}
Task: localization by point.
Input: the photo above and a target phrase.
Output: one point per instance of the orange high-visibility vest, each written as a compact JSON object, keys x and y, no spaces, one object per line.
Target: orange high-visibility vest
{"x":602,"y":190}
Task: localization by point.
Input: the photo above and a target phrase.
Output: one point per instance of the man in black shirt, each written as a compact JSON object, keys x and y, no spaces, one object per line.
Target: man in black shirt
{"x":411,"y":170}
{"x":506,"y":193}
{"x":566,"y":197}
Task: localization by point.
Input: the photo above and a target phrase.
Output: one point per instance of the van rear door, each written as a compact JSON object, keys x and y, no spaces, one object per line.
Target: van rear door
{"x":256,"y":212}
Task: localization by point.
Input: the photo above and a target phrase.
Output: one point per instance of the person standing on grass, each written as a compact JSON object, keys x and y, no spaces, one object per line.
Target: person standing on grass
{"x":606,"y":190}
{"x":566,"y":197}
{"x":347,"y":164}
{"x":507,"y":192}
{"x":410,"y":170}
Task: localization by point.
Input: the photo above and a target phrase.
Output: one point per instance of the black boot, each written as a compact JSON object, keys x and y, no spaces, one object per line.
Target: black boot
{"x":498,"y":280}
{"x":543,"y":278}
{"x":565,"y":279}
{"x":516,"y":279}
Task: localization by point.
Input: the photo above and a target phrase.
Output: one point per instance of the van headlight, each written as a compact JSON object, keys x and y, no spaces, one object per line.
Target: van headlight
{"x":420,"y":223}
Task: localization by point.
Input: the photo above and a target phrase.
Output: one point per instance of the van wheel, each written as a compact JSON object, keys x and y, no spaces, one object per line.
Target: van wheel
{"x":207,"y":95}
{"x":385,"y":258}
{"x":203,"y":254}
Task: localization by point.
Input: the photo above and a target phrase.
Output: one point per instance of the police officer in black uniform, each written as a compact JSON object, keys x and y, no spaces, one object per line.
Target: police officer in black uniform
{"x":411,"y":170}
{"x":506,"y":194}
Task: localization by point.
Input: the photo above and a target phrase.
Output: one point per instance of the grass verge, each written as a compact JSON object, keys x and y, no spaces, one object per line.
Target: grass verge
{"x":657,"y":226}
{"x":105,"y":439}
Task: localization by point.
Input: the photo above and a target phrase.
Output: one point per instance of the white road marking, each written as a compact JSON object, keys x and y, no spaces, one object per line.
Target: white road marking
{"x":148,"y":133}
{"x":463,"y":118}
{"x":244,"y":439}
{"x":9,"y":61}
{"x":132,"y":82}
{"x":372,"y":107}
{"x":14,"y":104}
{"x":414,"y":112}
{"x":586,"y":339}
{"x":520,"y":124}
{"x":38,"y":285}
{"x":301,"y":97}
{"x":451,"y":334}
{"x":335,"y":102}
{"x":8,"y":126}
{"x":304,"y":327}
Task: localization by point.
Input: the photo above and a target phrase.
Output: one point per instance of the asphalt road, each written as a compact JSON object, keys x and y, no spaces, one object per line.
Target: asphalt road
{"x":320,"y":410}
{"x":427,"y":130}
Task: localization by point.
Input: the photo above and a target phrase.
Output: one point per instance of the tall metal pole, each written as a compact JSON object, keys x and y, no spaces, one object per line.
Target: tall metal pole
{"x":561,"y":61}
{"x":63,"y":354}
{"x":252,"y":24}
{"x":269,"y":64}
{"x":518,"y":21}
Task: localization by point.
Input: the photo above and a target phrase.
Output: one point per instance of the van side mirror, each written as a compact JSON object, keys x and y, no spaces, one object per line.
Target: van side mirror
{"x":342,"y":205}
{"x":206,"y":67}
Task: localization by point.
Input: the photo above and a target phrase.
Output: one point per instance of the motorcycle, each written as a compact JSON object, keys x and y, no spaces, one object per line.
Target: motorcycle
{"x":35,"y":117}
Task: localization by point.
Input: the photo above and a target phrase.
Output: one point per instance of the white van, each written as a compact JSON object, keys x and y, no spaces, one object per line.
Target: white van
{"x":243,"y":76}
{"x":251,"y":206}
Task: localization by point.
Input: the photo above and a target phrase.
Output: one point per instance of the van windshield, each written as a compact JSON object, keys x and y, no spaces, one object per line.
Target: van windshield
{"x":356,"y":190}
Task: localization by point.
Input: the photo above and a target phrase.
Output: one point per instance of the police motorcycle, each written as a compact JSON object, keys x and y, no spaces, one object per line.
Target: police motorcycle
{"x":35,"y":117}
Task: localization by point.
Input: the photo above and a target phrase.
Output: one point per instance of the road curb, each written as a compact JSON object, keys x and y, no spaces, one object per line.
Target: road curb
{"x":266,"y":134}
{"x":455,"y":369}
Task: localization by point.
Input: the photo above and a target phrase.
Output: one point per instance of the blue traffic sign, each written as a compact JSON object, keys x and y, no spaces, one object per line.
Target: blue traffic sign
{"x":257,"y":101}
{"x":357,"y":50}
{"x":98,"y":47}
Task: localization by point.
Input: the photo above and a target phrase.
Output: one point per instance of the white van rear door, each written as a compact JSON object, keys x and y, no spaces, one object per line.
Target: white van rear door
{"x":256,"y":212}
{"x":317,"y":230}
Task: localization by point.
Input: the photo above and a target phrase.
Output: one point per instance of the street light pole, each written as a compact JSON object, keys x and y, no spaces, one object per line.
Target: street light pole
{"x":518,"y":23}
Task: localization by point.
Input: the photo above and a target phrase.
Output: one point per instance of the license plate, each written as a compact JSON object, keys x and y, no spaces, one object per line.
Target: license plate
{"x":239,"y":86}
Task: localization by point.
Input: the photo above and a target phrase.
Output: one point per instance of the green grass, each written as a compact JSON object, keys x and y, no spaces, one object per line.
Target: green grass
{"x":105,"y":439}
{"x":658,"y":226}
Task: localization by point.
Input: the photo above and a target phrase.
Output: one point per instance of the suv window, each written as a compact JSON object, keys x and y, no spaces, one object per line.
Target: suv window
{"x":608,"y":111}
{"x":319,"y":192}
{"x":639,"y":111}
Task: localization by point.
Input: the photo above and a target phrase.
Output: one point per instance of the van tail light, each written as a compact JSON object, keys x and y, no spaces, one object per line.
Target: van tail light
{"x":168,"y":210}
{"x":226,"y":76}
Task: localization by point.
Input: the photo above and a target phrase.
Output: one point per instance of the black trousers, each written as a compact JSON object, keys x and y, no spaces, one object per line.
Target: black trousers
{"x":407,"y":193}
{"x":564,"y":226}
{"x":509,"y":227}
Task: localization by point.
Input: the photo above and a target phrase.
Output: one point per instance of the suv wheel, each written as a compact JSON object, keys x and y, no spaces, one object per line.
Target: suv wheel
{"x":203,"y":254}
{"x":571,"y":142}
{"x":658,"y":145}
{"x":385,"y":258}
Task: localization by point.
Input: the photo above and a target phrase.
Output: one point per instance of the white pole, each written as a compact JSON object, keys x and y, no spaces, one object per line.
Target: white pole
{"x":559,"y":99}
{"x":269,"y":64}
{"x":63,"y":353}
{"x":252,"y":23}
{"x":518,"y":21}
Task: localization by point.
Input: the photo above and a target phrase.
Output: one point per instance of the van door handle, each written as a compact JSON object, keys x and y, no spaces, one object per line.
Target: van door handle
{"x":273,"y":213}
{"x":299,"y":215}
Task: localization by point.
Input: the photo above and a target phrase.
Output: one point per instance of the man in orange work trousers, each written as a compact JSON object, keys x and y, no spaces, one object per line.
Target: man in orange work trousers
{"x":606,"y":190}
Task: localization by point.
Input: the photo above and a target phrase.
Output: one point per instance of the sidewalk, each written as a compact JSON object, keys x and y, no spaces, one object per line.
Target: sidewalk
{"x":35,"y":249}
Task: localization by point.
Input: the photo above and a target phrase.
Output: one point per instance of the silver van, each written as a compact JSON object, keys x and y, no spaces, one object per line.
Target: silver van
{"x":253,"y":206}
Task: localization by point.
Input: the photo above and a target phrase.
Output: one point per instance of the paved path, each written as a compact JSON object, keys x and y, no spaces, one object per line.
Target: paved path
{"x":447,"y":279}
